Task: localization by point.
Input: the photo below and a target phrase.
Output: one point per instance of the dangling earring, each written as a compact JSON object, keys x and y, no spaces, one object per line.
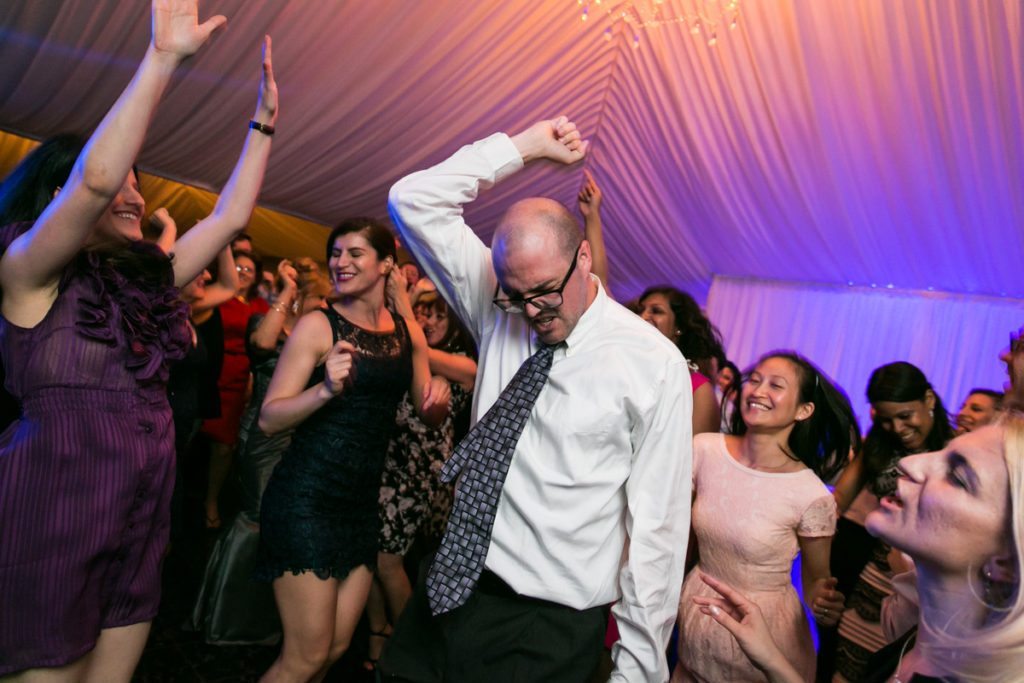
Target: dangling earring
{"x":996,"y":594}
{"x":931,"y":413}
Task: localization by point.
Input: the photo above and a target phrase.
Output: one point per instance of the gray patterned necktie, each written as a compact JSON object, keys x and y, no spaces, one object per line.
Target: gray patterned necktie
{"x":483,"y":457}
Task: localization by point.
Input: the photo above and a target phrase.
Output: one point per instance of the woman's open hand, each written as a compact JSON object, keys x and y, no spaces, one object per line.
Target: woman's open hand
{"x":176,"y":28}
{"x":266,"y":105}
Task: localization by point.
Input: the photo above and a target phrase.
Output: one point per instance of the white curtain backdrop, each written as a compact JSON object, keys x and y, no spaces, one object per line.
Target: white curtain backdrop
{"x":848,"y":332}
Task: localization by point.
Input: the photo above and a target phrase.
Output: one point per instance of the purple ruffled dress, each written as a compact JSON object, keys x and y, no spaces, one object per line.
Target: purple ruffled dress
{"x":86,"y":473}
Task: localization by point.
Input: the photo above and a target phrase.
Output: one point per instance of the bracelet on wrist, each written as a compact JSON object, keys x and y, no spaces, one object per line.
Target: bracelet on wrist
{"x":261,"y":127}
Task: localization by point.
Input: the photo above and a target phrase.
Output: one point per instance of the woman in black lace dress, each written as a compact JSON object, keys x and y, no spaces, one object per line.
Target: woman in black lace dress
{"x":338,"y":383}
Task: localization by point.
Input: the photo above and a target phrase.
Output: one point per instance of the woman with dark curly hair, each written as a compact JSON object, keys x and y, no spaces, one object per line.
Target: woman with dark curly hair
{"x":678,"y":317}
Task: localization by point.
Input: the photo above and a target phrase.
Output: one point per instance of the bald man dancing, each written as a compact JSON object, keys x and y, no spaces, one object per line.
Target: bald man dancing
{"x":574,"y":485}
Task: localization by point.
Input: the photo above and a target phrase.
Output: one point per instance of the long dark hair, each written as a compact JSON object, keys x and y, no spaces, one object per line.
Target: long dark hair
{"x":822,"y":441}
{"x":29,"y":188}
{"x":698,"y":339}
{"x":901,"y":382}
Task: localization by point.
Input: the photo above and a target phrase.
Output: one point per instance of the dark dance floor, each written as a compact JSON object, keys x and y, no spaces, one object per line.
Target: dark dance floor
{"x":176,"y":655}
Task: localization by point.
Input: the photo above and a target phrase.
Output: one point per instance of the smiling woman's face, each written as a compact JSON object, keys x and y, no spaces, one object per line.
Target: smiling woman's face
{"x":770,"y":397}
{"x":977,"y":411}
{"x":122,"y":220}
{"x":910,"y":421}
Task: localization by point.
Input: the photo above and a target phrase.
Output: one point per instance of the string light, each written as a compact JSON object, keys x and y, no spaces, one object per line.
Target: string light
{"x":699,"y":17}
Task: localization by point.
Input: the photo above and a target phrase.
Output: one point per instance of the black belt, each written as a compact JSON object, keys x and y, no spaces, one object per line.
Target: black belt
{"x":493,"y":585}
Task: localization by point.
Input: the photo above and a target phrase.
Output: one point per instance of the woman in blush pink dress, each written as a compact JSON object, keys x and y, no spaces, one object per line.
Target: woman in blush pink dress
{"x":758,"y":501}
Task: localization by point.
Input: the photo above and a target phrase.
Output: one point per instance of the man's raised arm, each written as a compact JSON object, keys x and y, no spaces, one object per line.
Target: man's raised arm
{"x":427,"y":209}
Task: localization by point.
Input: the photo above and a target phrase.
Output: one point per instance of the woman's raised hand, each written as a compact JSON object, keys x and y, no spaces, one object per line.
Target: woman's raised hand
{"x":396,"y":289}
{"x":161,"y":219}
{"x":176,"y":28}
{"x":289,"y":276}
{"x":266,"y":105}
{"x":589,"y":196}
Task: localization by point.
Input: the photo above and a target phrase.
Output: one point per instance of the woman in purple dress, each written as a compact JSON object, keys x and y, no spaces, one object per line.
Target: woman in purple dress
{"x":90,"y":319}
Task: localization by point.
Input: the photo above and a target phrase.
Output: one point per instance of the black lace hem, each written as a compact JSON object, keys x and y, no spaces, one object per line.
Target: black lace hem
{"x":269,"y":574}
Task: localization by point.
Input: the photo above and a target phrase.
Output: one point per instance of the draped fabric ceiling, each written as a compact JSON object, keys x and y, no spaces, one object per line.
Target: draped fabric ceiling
{"x":849,"y":142}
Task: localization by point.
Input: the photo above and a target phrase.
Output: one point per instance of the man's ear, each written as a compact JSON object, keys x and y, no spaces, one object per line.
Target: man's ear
{"x":585,"y":260}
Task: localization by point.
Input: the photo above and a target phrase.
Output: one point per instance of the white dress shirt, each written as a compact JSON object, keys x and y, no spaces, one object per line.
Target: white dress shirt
{"x":596,"y":505}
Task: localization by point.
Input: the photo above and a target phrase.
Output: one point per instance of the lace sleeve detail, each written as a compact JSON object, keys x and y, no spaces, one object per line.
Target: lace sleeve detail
{"x":819,"y":519}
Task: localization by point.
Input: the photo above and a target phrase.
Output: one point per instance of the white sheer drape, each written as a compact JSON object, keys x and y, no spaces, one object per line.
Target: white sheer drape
{"x":848,"y":332}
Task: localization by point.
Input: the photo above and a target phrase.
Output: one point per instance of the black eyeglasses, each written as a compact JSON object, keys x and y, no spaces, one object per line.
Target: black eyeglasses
{"x":244,"y":269}
{"x":543,"y":301}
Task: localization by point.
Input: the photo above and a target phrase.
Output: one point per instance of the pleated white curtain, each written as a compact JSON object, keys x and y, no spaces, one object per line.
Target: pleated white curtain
{"x":848,"y":332}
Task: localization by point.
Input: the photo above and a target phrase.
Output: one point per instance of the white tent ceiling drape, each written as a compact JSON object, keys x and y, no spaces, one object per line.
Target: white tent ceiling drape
{"x":848,"y":140}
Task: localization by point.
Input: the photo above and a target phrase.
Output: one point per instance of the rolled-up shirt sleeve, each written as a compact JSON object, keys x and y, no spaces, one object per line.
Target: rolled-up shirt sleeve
{"x":657,"y":523}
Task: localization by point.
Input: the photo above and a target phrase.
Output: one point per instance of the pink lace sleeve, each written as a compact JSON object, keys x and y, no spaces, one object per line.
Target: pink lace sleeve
{"x":819,"y":519}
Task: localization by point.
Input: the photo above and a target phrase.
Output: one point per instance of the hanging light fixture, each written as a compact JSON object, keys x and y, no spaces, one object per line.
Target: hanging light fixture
{"x":703,"y":18}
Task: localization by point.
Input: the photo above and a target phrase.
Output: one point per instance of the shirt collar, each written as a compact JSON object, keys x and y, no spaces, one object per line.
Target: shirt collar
{"x":586,"y":323}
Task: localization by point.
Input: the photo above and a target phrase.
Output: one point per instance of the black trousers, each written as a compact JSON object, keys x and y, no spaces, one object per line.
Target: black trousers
{"x":498,"y":636}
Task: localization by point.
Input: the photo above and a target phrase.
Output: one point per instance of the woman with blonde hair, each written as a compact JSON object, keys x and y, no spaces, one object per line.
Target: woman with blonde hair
{"x":959,"y":514}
